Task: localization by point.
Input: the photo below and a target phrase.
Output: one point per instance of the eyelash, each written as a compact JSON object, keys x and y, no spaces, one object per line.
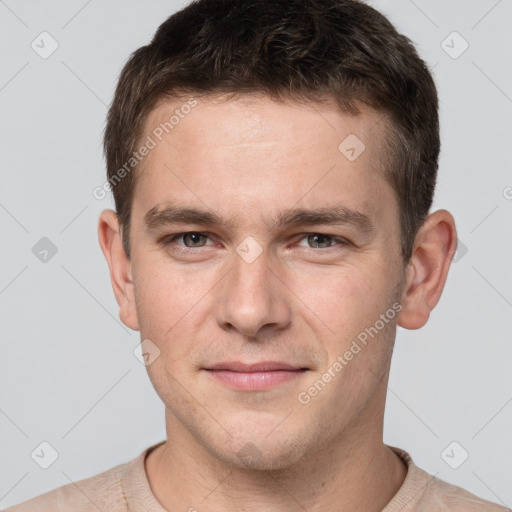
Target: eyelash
{"x":166,"y":241}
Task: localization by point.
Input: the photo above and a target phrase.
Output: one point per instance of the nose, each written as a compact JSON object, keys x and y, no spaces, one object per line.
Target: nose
{"x":253,"y":299}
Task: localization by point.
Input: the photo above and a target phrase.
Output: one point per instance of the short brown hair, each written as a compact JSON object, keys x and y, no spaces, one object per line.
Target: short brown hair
{"x":287,"y":49}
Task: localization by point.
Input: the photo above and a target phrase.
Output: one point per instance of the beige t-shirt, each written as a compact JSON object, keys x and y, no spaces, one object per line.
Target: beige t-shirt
{"x":125,"y":488}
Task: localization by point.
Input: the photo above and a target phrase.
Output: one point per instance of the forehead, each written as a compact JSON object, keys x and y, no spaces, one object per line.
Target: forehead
{"x":256,"y":153}
{"x":258,"y":120}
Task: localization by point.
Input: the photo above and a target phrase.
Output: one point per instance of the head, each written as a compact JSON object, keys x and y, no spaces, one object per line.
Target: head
{"x":297,"y":143}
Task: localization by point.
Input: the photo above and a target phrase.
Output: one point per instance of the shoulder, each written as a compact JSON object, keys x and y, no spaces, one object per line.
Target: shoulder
{"x":100,"y":492}
{"x":442,"y":496}
{"x":423,"y":492}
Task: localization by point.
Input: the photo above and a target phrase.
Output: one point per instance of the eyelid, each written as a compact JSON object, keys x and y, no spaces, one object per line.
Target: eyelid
{"x":342,"y":241}
{"x":172,"y":238}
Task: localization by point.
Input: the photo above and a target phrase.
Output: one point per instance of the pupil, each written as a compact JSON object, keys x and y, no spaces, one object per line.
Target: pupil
{"x":194,"y":236}
{"x":316,"y":237}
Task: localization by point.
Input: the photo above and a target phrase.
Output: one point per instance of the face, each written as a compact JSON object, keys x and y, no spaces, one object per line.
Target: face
{"x":275,"y":313}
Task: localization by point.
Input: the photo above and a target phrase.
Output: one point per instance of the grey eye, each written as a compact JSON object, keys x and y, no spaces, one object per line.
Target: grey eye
{"x":194,"y":238}
{"x":319,"y":241}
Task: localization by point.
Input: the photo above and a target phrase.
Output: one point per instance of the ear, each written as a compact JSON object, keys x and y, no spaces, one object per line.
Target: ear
{"x":109,"y":235}
{"x":427,"y":270}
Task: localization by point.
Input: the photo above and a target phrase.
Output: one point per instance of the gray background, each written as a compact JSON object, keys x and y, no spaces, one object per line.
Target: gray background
{"x":68,"y":374}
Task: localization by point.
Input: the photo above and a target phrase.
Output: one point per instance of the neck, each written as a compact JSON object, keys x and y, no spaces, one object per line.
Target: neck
{"x":357,"y":473}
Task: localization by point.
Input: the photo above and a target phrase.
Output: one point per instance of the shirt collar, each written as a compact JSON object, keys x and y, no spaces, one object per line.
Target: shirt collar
{"x":140,"y":498}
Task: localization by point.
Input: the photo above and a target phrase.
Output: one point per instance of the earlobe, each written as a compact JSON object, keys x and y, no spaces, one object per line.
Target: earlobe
{"x":427,"y":270}
{"x":109,"y":236}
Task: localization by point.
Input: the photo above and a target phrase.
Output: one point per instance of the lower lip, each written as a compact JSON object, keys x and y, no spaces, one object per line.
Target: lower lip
{"x":255,"y":381}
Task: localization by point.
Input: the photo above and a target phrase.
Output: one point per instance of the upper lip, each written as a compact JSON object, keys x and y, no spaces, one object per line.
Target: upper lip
{"x":264,"y":366}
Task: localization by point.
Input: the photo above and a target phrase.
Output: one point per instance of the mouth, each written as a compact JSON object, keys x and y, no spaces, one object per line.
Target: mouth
{"x":256,"y":376}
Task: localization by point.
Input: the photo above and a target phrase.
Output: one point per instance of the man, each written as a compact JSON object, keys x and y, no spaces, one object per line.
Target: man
{"x":273,"y":166}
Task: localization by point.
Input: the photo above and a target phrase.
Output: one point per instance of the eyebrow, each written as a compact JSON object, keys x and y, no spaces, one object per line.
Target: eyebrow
{"x":170,"y":214}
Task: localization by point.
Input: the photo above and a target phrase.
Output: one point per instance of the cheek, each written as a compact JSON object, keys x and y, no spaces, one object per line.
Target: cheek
{"x":165,"y":293}
{"x":343,"y":312}
{"x":342,"y":300}
{"x":173,"y":306}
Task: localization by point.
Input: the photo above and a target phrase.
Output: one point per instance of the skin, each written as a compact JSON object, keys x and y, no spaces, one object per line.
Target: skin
{"x":302,"y":301}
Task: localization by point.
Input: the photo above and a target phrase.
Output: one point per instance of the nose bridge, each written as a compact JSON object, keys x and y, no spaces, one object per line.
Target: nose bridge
{"x":252,"y":297}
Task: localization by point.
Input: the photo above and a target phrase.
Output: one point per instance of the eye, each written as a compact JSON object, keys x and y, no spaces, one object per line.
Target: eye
{"x":196,"y":240}
{"x":323,"y":241}
{"x":191,"y":239}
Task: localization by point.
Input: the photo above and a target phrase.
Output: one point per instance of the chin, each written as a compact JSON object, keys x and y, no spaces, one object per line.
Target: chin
{"x":264,"y":456}
{"x":263,"y":450}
